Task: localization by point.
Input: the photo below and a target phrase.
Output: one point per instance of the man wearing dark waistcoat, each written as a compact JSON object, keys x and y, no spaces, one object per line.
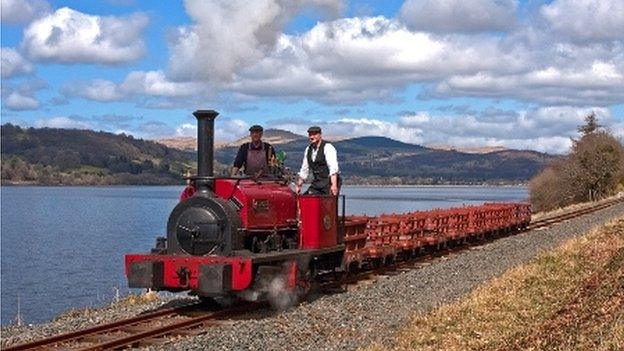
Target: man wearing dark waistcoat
{"x":254,"y":156}
{"x":321,"y":158}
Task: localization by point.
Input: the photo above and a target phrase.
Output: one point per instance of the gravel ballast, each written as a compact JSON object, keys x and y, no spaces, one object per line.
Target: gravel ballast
{"x":369,"y":314}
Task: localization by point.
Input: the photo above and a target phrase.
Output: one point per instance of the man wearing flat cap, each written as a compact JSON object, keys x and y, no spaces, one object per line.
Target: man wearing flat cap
{"x":321,"y":158}
{"x":255,"y":156}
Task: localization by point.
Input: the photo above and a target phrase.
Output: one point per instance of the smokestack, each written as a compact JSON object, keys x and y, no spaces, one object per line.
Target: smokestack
{"x":205,"y":149}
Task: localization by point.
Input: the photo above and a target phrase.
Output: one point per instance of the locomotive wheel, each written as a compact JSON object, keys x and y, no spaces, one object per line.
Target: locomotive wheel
{"x":280,"y":298}
{"x":209,"y":303}
{"x":283,"y":285}
{"x":218,"y":302}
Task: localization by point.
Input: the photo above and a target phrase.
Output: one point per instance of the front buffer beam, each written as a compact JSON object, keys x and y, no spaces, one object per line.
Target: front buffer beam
{"x":209,"y":276}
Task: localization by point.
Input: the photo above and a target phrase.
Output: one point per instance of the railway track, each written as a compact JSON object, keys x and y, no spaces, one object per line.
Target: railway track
{"x":545,"y":222}
{"x":155,"y":327}
{"x":144,"y":330}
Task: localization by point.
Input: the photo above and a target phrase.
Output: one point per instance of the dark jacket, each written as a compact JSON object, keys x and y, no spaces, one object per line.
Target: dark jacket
{"x":321,"y":183}
{"x":319,"y":167}
{"x":241,"y":156}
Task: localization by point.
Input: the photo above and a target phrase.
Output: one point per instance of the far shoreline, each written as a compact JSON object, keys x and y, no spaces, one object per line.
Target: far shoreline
{"x":484,"y":185}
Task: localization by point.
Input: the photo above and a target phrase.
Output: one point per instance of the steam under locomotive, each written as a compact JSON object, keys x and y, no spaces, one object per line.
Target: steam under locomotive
{"x":241,"y":236}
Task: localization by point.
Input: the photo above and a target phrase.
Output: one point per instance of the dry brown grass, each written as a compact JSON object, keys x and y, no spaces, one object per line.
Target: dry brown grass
{"x":142,"y":298}
{"x":569,"y":299}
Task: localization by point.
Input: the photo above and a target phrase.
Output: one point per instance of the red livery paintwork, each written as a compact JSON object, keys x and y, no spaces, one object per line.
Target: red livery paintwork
{"x":291,"y":282}
{"x":318,"y":221}
{"x":263,"y":204}
{"x":189,"y":191}
{"x":241,"y":269}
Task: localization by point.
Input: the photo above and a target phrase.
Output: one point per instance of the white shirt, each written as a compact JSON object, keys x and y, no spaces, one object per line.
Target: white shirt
{"x":331,"y":156}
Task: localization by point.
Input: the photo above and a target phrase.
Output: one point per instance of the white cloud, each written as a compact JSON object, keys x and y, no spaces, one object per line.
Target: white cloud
{"x":597,"y":82}
{"x":353,"y":60}
{"x":150,"y":83}
{"x":69,"y":36}
{"x":225,"y":130}
{"x":155,"y":83}
{"x":13,"y":63}
{"x":98,"y":90}
{"x":459,"y":15}
{"x":551,"y":145}
{"x":230,"y":34}
{"x":20,"y":11}
{"x":186,"y":130}
{"x":357,"y":59}
{"x":231,"y":129}
{"x":123,"y":131}
{"x":18,"y":101}
{"x":586,"y":20}
{"x":62,"y":122}
{"x":350,"y":60}
{"x":545,"y":129}
{"x":617,"y":128}
{"x":355,"y":127}
{"x":414,"y":120}
{"x":22,"y":96}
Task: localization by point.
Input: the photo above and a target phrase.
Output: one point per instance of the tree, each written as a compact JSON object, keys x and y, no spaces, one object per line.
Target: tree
{"x":543,"y":189}
{"x":594,"y":169}
{"x":591,"y":125}
{"x":600,"y":157}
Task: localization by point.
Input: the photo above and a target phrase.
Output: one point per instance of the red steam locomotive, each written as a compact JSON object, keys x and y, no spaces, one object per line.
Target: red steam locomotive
{"x":252,"y":238}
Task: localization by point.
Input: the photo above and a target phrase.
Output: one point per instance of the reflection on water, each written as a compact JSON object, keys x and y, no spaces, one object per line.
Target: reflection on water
{"x":64,"y":247}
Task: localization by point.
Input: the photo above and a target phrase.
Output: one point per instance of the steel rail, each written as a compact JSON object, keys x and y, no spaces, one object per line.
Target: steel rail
{"x":544,"y":222}
{"x":195,"y":322}
{"x":100,"y":339}
{"x":99,"y":329}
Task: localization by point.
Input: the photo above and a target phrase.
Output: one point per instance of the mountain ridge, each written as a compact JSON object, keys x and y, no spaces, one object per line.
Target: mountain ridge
{"x":276,"y":136}
{"x":373,"y":160}
{"x":49,"y":156}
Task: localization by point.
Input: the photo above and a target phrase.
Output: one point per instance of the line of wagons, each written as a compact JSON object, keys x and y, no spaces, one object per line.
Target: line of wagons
{"x":386,"y":238}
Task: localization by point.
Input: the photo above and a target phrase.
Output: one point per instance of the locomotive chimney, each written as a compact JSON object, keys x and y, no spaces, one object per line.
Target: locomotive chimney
{"x":205,"y":150}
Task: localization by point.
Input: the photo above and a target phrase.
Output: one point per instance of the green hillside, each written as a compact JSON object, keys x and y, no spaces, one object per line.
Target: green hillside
{"x":51,"y":156}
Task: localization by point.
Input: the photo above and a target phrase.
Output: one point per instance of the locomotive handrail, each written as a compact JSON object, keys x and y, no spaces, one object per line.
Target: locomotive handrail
{"x":341,"y":225}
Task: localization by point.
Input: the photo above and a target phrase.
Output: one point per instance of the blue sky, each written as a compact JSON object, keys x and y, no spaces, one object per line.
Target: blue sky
{"x":472,"y":73}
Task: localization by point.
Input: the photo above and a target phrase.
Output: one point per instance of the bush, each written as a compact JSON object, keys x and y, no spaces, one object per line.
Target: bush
{"x":594,"y":169}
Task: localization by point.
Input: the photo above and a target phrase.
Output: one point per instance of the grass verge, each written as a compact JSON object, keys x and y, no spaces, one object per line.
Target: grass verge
{"x":571,"y":298}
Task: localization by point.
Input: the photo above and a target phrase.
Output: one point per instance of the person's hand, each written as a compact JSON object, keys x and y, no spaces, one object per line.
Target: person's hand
{"x":334,"y":189}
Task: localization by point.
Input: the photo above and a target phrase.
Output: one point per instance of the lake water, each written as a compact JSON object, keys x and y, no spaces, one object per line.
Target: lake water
{"x":63,"y":247}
